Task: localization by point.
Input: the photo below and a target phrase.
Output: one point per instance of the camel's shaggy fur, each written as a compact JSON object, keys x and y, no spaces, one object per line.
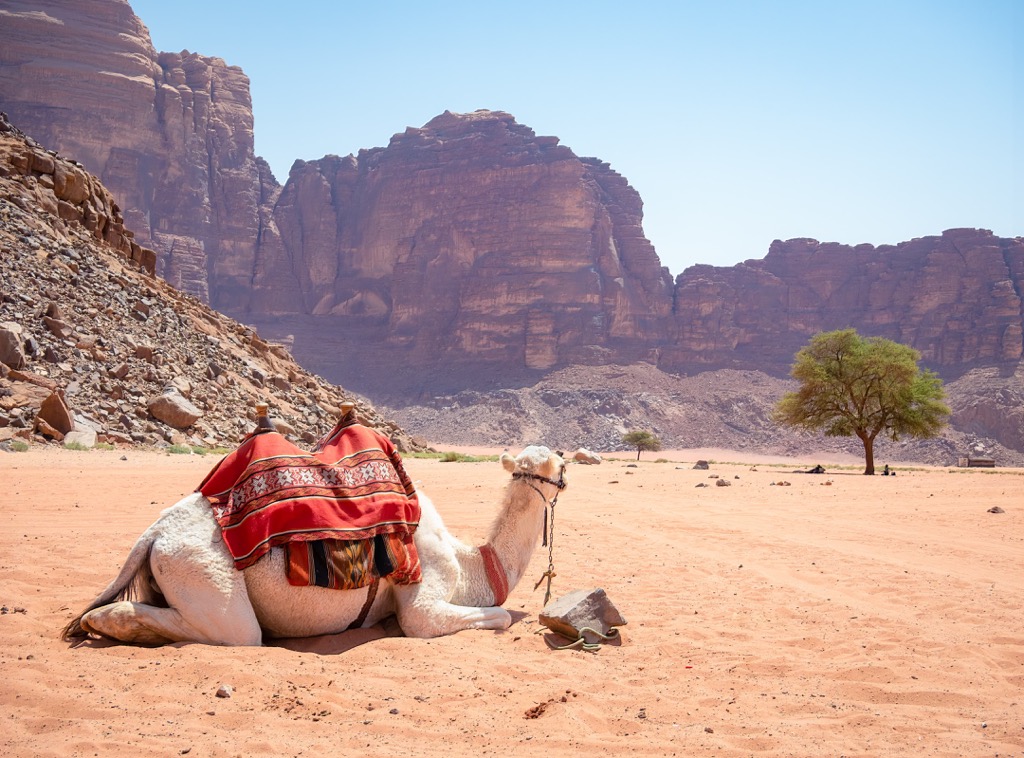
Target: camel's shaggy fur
{"x":179,"y":583}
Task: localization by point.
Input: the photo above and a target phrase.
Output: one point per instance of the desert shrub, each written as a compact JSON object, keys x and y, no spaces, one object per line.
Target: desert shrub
{"x":179,"y":450}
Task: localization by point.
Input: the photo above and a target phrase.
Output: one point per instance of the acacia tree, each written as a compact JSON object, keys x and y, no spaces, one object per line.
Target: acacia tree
{"x":856,"y":386}
{"x":641,"y":441}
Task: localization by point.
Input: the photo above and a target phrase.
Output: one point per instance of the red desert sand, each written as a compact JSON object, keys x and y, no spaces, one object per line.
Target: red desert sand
{"x":836,"y":615}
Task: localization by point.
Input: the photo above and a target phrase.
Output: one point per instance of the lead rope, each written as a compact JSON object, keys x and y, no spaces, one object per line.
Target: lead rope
{"x":549,"y":540}
{"x":549,"y":525}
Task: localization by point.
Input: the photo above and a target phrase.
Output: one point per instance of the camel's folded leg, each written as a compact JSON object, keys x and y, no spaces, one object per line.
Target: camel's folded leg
{"x":135,"y":623}
{"x":421,"y":616}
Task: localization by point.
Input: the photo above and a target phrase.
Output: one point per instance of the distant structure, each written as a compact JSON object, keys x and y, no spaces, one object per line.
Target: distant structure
{"x":969,"y":462}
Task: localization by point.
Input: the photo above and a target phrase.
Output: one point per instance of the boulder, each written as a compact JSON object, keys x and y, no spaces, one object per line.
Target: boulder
{"x":586,"y":456}
{"x":12,"y":345}
{"x":174,"y":409}
{"x":701,"y":465}
{"x":83,"y":435}
{"x":54,"y":413}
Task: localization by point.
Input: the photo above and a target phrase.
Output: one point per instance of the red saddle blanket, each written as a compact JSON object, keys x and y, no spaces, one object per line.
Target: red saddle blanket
{"x":350,"y":488}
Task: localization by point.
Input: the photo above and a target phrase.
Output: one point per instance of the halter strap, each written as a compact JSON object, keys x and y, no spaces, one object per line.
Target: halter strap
{"x":560,"y":484}
{"x":496,"y":576}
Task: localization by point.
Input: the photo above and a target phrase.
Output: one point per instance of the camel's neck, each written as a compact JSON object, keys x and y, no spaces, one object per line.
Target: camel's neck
{"x":513,"y":538}
{"x":518,"y":529}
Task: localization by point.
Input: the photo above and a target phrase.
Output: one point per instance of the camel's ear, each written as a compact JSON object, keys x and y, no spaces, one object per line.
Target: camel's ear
{"x":508,"y":462}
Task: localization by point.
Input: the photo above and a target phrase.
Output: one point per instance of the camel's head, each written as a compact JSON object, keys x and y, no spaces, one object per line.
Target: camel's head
{"x":537,"y":463}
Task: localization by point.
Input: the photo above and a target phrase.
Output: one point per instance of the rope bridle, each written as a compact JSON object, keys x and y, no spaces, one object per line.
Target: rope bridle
{"x":549,"y":532}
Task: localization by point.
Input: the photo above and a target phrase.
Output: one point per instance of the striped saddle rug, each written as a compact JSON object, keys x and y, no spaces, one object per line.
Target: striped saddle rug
{"x":345,"y":511}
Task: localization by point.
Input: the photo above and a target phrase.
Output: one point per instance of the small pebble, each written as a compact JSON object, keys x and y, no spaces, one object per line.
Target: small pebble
{"x":225,"y":690}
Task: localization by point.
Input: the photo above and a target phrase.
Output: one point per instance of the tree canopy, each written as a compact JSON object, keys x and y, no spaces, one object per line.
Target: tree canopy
{"x":856,"y":386}
{"x":641,"y":441}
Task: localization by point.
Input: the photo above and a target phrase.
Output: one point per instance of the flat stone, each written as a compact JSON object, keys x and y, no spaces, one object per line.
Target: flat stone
{"x":579,"y":610}
{"x":83,"y":435}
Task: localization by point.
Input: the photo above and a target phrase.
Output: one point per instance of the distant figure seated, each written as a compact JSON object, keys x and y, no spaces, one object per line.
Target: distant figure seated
{"x":819,"y":469}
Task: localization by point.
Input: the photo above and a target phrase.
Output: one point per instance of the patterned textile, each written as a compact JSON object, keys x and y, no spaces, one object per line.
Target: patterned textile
{"x":352,"y":486}
{"x":350,"y":564}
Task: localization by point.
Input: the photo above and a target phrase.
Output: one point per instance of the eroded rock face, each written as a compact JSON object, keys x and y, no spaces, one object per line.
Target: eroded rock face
{"x":470,"y":238}
{"x":956,"y":298}
{"x":169,"y":134}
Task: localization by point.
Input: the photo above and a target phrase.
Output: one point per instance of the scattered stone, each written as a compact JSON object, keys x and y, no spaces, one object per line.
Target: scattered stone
{"x":701,"y":465}
{"x":723,"y":483}
{"x":12,"y":352}
{"x":48,"y":431}
{"x":586,"y":457}
{"x":174,"y":409}
{"x":225,"y":690}
{"x":82,"y":435}
{"x":996,"y":509}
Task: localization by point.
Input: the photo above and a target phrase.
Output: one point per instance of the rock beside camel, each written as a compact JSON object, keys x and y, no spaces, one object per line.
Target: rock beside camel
{"x":580,"y":614}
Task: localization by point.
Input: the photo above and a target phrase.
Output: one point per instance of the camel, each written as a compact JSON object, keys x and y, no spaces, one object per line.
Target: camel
{"x":179,"y":583}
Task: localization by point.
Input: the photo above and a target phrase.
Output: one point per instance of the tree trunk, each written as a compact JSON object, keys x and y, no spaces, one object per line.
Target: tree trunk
{"x":869,"y":454}
{"x":638,"y":453}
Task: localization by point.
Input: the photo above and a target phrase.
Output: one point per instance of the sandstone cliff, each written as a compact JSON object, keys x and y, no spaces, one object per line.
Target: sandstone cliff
{"x":469,"y":239}
{"x":170,"y":134}
{"x":957,"y":298}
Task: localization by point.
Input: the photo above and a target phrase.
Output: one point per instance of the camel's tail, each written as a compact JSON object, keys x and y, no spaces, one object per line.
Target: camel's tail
{"x":132,"y":582}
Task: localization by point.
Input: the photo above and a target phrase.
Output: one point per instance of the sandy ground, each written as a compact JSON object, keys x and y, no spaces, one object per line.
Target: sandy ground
{"x":871,"y":616}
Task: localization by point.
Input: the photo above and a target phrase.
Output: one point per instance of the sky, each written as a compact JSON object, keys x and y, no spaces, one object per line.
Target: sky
{"x":738,"y":122}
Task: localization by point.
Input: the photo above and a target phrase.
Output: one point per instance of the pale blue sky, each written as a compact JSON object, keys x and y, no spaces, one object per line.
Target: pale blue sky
{"x":737,"y":122}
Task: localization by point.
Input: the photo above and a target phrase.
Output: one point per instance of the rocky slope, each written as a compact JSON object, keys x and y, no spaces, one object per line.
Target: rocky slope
{"x":95,"y":348}
{"x":592,"y":406}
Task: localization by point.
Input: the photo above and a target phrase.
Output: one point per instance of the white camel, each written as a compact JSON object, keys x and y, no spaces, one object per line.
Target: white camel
{"x":186,"y":588}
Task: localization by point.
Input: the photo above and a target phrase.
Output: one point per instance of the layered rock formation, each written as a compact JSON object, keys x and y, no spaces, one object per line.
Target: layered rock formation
{"x":957,"y":298}
{"x":170,"y":134}
{"x":470,"y":239}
